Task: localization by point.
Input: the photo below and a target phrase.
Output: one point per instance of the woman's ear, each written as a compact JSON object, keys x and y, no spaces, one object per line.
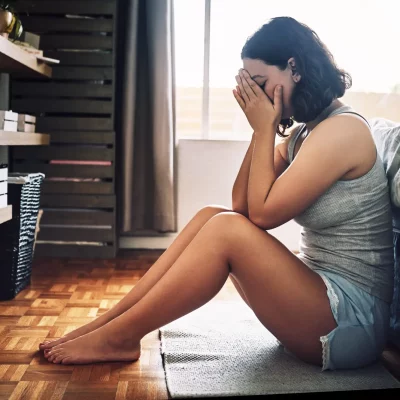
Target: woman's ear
{"x":292,"y":65}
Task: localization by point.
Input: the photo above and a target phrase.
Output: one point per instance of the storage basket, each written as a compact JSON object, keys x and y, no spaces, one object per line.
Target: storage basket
{"x":18,"y":234}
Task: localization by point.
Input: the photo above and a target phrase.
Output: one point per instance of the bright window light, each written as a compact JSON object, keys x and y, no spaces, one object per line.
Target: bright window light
{"x":361,"y":34}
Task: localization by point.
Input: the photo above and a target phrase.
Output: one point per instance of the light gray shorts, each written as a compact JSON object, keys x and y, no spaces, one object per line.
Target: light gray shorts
{"x":363,"y":325}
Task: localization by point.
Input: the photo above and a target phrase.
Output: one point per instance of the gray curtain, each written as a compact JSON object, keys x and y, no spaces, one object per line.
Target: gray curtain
{"x":146,"y":186}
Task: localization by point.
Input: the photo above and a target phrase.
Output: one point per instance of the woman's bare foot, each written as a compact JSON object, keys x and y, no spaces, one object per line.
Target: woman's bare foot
{"x":83,"y":330}
{"x":100,"y":345}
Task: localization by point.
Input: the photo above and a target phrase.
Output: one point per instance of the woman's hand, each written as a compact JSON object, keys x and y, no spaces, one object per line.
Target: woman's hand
{"x":259,"y":110}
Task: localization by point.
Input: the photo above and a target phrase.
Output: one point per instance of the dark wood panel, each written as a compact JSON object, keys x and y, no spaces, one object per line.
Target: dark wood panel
{"x":47,"y":24}
{"x":63,"y":217}
{"x":95,"y":73}
{"x":83,"y":137}
{"x":79,"y":201}
{"x":81,"y":77}
{"x":76,"y":234}
{"x":70,"y":251}
{"x":100,"y":59}
{"x":67,"y":171}
{"x":58,"y":89}
{"x":50,"y":187}
{"x":50,"y":124}
{"x":53,"y":42}
{"x":83,"y":73}
{"x":67,"y":152}
{"x":98,"y":7}
{"x":37,"y":106}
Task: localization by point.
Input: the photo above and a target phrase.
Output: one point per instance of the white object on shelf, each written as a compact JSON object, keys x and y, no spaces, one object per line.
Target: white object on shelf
{"x":26,"y":123}
{"x":8,"y":115}
{"x":8,"y":120}
{"x":48,"y":60}
{"x":3,"y":200}
{"x":30,"y":128}
{"x":3,"y":187}
{"x":3,"y":173}
{"x":9,"y":126}
{"x":29,"y":118}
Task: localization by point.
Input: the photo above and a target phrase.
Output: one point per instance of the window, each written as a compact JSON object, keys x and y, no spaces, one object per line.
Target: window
{"x":361,"y":34}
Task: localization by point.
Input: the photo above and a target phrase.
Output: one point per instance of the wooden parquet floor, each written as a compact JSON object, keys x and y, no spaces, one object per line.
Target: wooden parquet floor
{"x":63,"y":295}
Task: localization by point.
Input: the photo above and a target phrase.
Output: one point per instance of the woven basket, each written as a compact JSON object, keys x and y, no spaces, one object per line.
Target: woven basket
{"x":18,"y":234}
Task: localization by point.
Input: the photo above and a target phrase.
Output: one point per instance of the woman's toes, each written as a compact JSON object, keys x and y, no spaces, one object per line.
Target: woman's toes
{"x":51,"y":355}
{"x":47,"y":353}
{"x":52,"y":349}
{"x":50,"y":344}
{"x":58,"y":359}
{"x":56,"y":353}
{"x":42,"y":345}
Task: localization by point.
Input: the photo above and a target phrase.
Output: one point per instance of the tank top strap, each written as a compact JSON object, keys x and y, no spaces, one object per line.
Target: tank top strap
{"x":348,"y":110}
{"x":340,"y":110}
{"x":292,"y":142}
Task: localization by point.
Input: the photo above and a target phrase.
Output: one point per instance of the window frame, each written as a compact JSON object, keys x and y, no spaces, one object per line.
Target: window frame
{"x":205,"y":113}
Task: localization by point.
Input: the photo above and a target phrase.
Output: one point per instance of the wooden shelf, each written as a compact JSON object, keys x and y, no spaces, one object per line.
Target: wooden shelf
{"x":5,"y":214}
{"x":23,"y":139}
{"x":18,"y":62}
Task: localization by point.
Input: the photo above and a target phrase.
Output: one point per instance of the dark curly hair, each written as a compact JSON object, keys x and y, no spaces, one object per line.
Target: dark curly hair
{"x":321,"y":80}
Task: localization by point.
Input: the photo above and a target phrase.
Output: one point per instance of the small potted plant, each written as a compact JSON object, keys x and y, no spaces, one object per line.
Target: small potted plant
{"x":10,"y":24}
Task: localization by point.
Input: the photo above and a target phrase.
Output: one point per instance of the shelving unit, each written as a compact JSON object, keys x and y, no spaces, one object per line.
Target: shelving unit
{"x":23,"y":139}
{"x":5,"y":214}
{"x":20,"y":63}
{"x":77,"y":107}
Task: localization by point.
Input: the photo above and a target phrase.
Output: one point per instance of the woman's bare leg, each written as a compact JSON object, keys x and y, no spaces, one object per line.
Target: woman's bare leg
{"x":287,"y":297}
{"x":151,"y":277}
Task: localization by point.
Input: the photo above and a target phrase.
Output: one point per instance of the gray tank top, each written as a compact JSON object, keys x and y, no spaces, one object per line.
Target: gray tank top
{"x":348,"y":229}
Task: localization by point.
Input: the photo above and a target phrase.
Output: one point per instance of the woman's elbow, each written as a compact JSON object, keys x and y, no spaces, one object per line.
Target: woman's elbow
{"x":240,"y":210}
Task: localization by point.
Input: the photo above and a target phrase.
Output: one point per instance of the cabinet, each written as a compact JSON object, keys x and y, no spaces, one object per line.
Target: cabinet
{"x":18,"y":62}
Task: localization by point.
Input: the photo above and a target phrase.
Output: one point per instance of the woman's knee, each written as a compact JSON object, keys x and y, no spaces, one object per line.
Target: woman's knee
{"x":211,"y":210}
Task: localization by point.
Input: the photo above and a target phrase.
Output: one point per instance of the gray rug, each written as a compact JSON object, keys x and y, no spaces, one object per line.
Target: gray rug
{"x":223,"y":350}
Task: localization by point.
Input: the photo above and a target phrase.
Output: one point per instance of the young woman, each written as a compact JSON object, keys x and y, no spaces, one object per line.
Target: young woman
{"x":329,"y":306}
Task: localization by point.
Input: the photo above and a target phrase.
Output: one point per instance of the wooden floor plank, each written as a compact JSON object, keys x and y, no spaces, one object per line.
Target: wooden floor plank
{"x":65,"y":294}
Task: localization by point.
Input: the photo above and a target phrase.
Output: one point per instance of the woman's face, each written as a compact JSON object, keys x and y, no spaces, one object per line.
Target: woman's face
{"x":269,"y":76}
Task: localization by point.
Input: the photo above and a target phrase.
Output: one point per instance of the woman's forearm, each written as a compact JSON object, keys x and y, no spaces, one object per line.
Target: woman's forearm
{"x":262,"y":173}
{"x":239,"y":191}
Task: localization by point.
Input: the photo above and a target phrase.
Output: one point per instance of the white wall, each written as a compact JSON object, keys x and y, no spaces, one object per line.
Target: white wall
{"x":206,"y":172}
